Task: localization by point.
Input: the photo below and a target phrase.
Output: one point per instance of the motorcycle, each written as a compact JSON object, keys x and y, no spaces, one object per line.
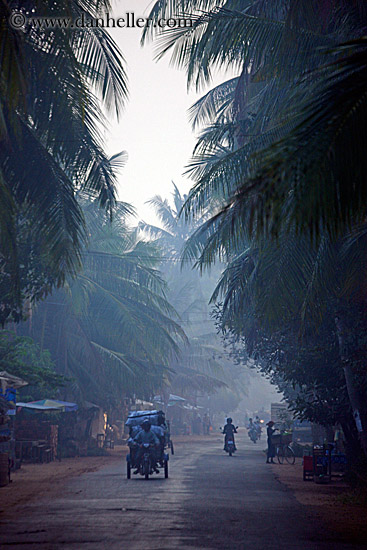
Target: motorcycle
{"x":147,"y":462}
{"x":253,"y":435}
{"x":230,"y":448}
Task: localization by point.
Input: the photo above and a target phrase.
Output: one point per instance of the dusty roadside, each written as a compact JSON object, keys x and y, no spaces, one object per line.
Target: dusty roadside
{"x":35,"y":480}
{"x":343,"y":511}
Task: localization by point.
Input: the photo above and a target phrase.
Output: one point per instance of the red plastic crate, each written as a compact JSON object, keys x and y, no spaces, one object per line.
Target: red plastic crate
{"x":307,"y":467}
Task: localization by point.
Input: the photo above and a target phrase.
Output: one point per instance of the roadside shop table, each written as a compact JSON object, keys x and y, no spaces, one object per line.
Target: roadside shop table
{"x":34,"y":450}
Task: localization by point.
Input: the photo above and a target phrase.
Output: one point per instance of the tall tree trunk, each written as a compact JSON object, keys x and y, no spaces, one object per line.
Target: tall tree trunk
{"x":353,"y":392}
{"x":352,"y":442}
{"x":43,"y":327}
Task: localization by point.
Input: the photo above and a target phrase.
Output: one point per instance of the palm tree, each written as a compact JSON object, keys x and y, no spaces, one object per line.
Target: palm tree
{"x":185,"y":291}
{"x":111,"y":329}
{"x":284,"y":121}
{"x":55,"y":87}
{"x":202,"y":366}
{"x":293,"y":286}
{"x":284,"y":148}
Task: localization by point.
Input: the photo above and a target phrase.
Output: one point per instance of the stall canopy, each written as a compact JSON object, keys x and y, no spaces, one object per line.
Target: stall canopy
{"x":173,"y":397}
{"x":175,"y":400}
{"x":172,"y":400}
{"x":10,"y":381}
{"x":49,"y":405}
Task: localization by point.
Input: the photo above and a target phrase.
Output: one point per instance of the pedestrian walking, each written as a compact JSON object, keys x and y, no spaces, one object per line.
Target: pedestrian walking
{"x":206,"y":424}
{"x":271,"y":447}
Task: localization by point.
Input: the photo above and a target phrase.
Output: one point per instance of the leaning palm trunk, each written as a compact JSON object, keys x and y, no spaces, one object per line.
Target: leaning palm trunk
{"x":353,"y":392}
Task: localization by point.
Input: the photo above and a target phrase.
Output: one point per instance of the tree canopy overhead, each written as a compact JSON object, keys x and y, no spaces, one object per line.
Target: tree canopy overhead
{"x":56,"y":86}
{"x":276,"y":140}
{"x":281,"y":155}
{"x":111,"y":328}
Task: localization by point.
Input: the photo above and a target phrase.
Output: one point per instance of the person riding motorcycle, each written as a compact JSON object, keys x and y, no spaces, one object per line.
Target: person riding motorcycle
{"x":145,"y":436}
{"x":257,"y":425}
{"x":229,"y":430}
{"x":252,"y":430}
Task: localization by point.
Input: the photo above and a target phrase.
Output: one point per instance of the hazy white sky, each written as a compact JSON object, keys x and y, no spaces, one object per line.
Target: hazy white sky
{"x":154,"y":130}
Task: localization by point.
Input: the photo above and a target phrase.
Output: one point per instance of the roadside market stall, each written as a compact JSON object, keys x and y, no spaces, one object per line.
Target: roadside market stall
{"x":8,"y":388}
{"x":37,"y":437}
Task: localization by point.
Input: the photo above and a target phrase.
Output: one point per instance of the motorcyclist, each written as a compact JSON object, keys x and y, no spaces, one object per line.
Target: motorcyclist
{"x":257,"y":425}
{"x":252,"y":430}
{"x":145,"y":436}
{"x":229,"y":430}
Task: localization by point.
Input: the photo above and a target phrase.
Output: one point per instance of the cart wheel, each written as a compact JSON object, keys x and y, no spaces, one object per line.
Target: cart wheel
{"x":172,"y":449}
{"x":128,"y":470}
{"x":165,"y":469}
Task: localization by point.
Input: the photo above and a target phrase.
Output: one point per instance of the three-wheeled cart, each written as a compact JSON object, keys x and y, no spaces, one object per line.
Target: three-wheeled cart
{"x":161,"y":430}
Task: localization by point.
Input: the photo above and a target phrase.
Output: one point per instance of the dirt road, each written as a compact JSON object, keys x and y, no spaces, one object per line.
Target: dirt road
{"x":210,"y":501}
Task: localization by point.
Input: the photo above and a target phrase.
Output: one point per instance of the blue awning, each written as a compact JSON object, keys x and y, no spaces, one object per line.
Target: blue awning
{"x":49,"y":405}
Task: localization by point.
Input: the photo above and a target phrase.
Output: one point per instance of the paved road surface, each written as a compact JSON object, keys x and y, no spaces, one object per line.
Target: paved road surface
{"x":210,"y":501}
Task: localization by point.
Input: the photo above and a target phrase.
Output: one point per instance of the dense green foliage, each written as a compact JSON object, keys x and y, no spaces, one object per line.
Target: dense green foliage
{"x":279,"y":198}
{"x":282,"y":155}
{"x":54,"y":88}
{"x":22,"y":357}
{"x":285,"y":121}
{"x":111,"y":328}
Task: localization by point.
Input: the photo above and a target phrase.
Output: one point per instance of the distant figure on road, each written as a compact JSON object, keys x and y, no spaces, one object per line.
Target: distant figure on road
{"x":339,"y":439}
{"x":206,"y":424}
{"x":229,"y":430}
{"x":196,"y":424}
{"x":257,"y":425}
{"x":252,"y":431}
{"x":271,"y":447}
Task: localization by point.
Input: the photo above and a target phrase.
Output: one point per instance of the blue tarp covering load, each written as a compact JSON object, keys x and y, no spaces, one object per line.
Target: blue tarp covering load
{"x":135,"y":418}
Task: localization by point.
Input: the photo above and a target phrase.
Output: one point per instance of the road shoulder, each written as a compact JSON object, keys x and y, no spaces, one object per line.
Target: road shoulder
{"x":341,"y":509}
{"x":33,"y":481}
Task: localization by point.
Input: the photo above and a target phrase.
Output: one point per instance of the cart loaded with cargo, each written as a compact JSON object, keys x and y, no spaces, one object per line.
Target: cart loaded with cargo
{"x":146,"y":457}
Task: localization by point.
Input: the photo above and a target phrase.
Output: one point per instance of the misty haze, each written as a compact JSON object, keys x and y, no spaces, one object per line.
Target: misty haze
{"x":183,"y":305}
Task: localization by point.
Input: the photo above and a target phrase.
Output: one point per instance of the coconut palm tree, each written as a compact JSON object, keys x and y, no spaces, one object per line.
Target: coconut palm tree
{"x":55,"y":88}
{"x":284,"y":147}
{"x":202,"y":366}
{"x":111,"y":328}
{"x":285,"y":120}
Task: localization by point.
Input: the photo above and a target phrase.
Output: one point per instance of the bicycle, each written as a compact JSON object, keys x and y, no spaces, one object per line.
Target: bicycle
{"x":283,"y":449}
{"x":285,"y":452}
